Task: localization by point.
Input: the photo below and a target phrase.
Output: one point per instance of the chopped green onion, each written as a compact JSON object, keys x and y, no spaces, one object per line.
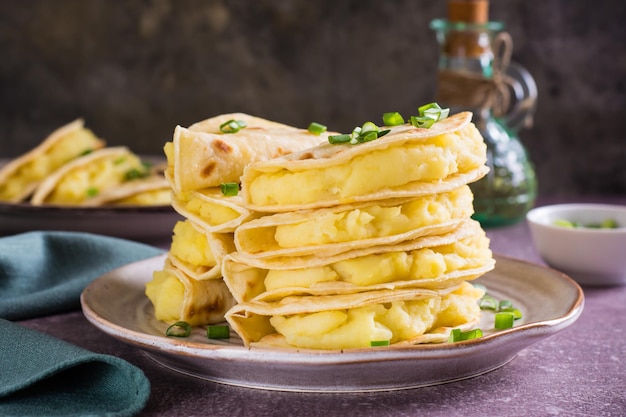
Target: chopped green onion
{"x":504,"y":320}
{"x":135,"y":173}
{"x":232,"y":126}
{"x":563,"y":223}
{"x":92,"y":191}
{"x":179,"y":329}
{"x":457,"y":335}
{"x":517,"y":314}
{"x":86,"y":152}
{"x":487,"y":302}
{"x":393,"y":119}
{"x":421,"y":110}
{"x":422,"y":121}
{"x":375,"y":343}
{"x":383,"y":132}
{"x":609,"y":224}
{"x":335,"y":139}
{"x":119,"y":160}
{"x":218,"y":332}
{"x":369,"y":127}
{"x":504,"y":304}
{"x":229,"y":189}
{"x":369,"y":136}
{"x":316,"y":128}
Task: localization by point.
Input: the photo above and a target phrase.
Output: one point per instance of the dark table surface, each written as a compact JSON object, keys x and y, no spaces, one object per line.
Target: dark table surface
{"x":580,"y":371}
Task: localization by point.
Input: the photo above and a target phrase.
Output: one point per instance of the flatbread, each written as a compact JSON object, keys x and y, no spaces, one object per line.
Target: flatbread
{"x":467,"y":245}
{"x":20,"y":177}
{"x":328,"y":231}
{"x":407,"y":162}
{"x":178,"y":297}
{"x":101,"y":171}
{"x":201,"y":157}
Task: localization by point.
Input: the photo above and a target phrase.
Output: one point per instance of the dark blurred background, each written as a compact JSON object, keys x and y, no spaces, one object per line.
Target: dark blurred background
{"x":135,"y":69}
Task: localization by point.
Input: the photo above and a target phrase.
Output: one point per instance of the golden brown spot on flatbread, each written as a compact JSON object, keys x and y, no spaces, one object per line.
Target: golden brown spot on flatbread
{"x":221,"y":146}
{"x":208,"y":169}
{"x":306,"y":155}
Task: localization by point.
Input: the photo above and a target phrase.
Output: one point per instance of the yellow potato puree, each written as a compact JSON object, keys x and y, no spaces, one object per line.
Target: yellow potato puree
{"x":191,"y":246}
{"x":395,"y":321}
{"x":376,"y":221}
{"x":166,"y":293}
{"x":101,"y":174}
{"x":211,"y":213}
{"x":433,"y":159}
{"x":389,"y":267}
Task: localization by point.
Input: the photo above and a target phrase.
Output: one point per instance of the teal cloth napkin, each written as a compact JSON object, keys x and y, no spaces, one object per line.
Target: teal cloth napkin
{"x":44,"y":376}
{"x":43,"y":273}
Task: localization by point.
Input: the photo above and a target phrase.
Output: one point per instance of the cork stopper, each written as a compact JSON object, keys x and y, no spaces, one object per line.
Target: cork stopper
{"x":468,"y":11}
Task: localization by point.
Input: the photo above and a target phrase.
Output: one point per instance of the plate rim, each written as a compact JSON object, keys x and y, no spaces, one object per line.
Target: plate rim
{"x":207,"y":351}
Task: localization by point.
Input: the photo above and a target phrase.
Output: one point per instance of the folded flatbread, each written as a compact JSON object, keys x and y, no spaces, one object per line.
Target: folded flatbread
{"x":153,"y":190}
{"x":406,"y":316}
{"x":20,"y":177}
{"x":84,"y":178}
{"x":430,"y":262}
{"x":337,"y":229}
{"x":407,"y":162}
{"x":208,"y":207}
{"x":197,"y":252}
{"x":201,"y":157}
{"x":178,"y":297}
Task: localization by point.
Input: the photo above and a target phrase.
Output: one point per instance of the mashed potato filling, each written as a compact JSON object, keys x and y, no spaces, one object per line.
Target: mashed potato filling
{"x":374,"y":221}
{"x":375,"y":269}
{"x":166,"y":293}
{"x":395,"y":321}
{"x":430,"y":160}
{"x":147,"y":198}
{"x":89,"y":180}
{"x":212,"y":213}
{"x":65,"y":149}
{"x":191,"y":245}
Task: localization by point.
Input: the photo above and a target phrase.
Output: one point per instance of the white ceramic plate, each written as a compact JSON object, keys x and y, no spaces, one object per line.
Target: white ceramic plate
{"x":549,"y":301}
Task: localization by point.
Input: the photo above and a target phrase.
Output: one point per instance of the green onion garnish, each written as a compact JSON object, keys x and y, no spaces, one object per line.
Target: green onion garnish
{"x":393,"y":119}
{"x":504,"y":304}
{"x":218,"y":332}
{"x":316,"y":128}
{"x":422,"y":121}
{"x":335,"y":139}
{"x":487,"y":302}
{"x":92,"y":191}
{"x":457,"y":335}
{"x":504,"y":320}
{"x":229,"y":189}
{"x":604,"y":224}
{"x":136,"y":173}
{"x":179,"y":329}
{"x":517,"y":314}
{"x":232,"y":126}
{"x":375,"y":343}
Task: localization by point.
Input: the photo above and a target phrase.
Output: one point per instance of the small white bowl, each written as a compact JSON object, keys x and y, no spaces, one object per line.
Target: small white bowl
{"x":591,"y":256}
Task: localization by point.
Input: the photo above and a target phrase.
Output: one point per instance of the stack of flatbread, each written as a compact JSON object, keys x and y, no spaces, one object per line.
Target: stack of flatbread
{"x":353,"y":246}
{"x":73,"y":167}
{"x":326,"y":246}
{"x":201,"y":158}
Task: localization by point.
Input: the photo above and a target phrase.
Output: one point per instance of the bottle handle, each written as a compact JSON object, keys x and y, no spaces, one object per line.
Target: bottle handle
{"x":523,"y":97}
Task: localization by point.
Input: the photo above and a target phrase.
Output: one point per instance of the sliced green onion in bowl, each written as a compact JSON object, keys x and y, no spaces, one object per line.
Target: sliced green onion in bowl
{"x":229,"y":189}
{"x":218,"y":332}
{"x":232,"y":126}
{"x":393,"y":119}
{"x":316,"y":128}
{"x":375,"y":343}
{"x":179,"y":329}
{"x":487,"y":302}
